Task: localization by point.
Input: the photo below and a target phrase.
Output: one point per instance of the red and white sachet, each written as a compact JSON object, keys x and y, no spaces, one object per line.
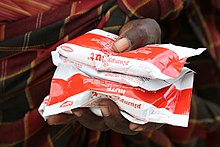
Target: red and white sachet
{"x":71,"y":88}
{"x":135,"y":81}
{"x":161,"y":61}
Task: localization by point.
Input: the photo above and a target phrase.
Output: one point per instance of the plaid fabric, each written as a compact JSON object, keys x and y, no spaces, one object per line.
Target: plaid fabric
{"x":11,"y":10}
{"x":193,"y":29}
{"x":208,"y":15}
{"x":30,"y":30}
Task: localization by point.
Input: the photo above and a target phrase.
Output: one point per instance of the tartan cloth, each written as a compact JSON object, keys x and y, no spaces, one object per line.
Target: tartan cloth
{"x":207,"y":14}
{"x":29,"y":35}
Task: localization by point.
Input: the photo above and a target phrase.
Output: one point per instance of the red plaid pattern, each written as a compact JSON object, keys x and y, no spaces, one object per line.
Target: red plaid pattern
{"x":30,"y":30}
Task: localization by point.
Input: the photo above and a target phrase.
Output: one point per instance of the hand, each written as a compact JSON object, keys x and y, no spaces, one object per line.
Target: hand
{"x":115,"y":121}
{"x":137,"y":33}
{"x":112,"y":119}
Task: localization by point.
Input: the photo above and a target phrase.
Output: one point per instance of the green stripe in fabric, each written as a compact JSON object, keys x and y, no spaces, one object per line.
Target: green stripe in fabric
{"x":38,"y":38}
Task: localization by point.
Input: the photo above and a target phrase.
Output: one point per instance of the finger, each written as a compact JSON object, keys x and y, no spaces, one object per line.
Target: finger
{"x":136,"y":34}
{"x":122,"y":44}
{"x":145,"y":127}
{"x":113,"y":119}
{"x":60,"y":119}
{"x":89,"y":120}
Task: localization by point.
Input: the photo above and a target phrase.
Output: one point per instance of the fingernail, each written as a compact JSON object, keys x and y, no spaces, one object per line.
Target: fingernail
{"x":105,"y":111}
{"x":135,"y":127}
{"x":77,"y":113}
{"x":139,"y":129}
{"x":121,"y":45}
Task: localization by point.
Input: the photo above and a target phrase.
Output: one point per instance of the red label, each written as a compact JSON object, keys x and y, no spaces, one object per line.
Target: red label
{"x":67,"y":104}
{"x":66,"y":48}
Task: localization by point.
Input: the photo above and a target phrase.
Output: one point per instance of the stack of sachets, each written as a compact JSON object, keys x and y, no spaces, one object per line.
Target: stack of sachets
{"x":149,"y":84}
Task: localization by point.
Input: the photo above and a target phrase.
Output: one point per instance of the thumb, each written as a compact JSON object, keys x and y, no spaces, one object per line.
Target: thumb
{"x":121,"y":45}
{"x":137,"y":33}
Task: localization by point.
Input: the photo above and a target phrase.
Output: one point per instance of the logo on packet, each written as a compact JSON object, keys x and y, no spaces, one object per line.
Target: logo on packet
{"x":66,"y":104}
{"x":66,"y":48}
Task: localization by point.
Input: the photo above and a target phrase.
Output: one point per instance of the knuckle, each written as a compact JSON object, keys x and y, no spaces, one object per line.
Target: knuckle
{"x":51,"y":122}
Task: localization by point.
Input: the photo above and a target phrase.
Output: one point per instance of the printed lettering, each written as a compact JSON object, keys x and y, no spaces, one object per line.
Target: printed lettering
{"x":66,"y":48}
{"x":116,"y":90}
{"x":98,"y":57}
{"x":92,"y":56}
{"x":67,"y":103}
{"x":106,"y":59}
{"x":132,"y":104}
